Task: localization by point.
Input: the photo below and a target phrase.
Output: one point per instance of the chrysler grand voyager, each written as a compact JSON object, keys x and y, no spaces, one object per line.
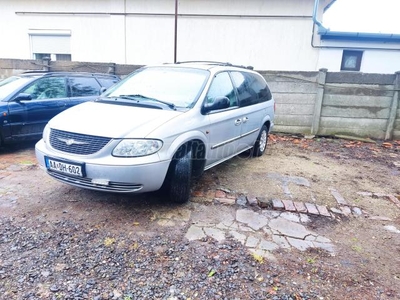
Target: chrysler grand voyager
{"x":158,"y":128}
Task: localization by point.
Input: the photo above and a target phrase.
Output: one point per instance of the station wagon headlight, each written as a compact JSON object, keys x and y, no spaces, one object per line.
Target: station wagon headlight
{"x":135,"y":148}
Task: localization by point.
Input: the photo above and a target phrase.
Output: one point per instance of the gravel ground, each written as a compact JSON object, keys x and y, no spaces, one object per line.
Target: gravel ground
{"x":58,"y":242}
{"x":67,"y":260}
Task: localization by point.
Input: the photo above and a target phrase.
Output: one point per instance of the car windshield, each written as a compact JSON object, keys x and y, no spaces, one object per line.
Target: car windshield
{"x":9,"y":85}
{"x":179,"y":87}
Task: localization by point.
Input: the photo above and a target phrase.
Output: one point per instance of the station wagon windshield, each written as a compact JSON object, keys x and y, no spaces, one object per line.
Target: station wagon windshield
{"x":178,"y":87}
{"x":9,"y":85}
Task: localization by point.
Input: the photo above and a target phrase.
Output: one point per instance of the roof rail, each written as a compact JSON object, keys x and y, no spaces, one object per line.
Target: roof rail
{"x":35,"y":71}
{"x":218,"y":63}
{"x":68,"y":72}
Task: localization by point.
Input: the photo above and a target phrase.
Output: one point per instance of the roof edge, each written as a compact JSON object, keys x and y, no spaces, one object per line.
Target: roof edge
{"x":329,"y":5}
{"x":360,"y":36}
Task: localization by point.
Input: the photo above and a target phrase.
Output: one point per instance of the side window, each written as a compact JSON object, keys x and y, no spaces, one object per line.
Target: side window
{"x":107,"y":82}
{"x":83,"y":86}
{"x":47,"y":88}
{"x":243,"y":82}
{"x":260,"y":87}
{"x":221,"y":86}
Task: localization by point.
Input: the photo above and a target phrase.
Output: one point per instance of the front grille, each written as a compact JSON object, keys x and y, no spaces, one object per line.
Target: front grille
{"x":75,"y":143}
{"x":117,"y":187}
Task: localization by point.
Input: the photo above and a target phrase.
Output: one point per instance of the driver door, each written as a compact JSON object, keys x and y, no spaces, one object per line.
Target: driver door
{"x":29,"y":117}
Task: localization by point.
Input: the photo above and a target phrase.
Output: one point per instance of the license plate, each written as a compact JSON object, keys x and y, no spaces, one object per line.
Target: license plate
{"x":69,"y":168}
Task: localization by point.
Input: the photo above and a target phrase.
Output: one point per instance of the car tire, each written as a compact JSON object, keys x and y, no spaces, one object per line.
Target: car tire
{"x":261,"y":143}
{"x":180,"y":173}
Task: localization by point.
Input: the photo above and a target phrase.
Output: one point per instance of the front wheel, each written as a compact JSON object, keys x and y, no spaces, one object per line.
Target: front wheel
{"x":179,"y":178}
{"x":261,"y":143}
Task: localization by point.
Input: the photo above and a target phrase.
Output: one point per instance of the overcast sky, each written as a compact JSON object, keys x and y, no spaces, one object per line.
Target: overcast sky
{"x":375,"y":16}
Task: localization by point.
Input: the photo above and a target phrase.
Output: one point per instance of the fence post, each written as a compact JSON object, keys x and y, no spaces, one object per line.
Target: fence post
{"x":46,"y":63}
{"x":111,"y":69}
{"x":393,"y":108}
{"x":318,"y":101}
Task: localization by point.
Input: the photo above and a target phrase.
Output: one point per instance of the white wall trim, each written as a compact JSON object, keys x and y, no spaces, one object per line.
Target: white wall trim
{"x":49,"y":32}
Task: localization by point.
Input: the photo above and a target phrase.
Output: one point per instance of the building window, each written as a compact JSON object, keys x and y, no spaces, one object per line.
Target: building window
{"x":41,"y":56}
{"x":54,"y":44}
{"x":351,"y":60}
{"x":65,"y":57}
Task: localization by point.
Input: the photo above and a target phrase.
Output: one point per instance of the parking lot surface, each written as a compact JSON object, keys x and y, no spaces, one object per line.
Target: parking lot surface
{"x":311,"y":219}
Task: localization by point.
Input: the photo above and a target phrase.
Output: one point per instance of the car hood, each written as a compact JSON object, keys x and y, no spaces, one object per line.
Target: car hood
{"x":111,"y":120}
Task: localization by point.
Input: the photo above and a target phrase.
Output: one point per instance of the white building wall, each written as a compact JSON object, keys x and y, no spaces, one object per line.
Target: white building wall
{"x":268,"y":34}
{"x":381,"y":61}
{"x":377,"y":60}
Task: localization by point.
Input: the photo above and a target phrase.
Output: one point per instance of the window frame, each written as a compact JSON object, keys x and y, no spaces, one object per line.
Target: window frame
{"x":347,"y":53}
{"x":235,"y":103}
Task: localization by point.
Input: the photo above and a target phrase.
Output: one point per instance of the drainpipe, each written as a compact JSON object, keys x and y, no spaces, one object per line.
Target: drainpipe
{"x":125,"y":52}
{"x":321,"y":27}
{"x":176,"y":31}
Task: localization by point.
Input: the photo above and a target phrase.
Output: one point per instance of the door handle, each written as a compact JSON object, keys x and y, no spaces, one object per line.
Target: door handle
{"x":245,"y":119}
{"x":238,"y":122}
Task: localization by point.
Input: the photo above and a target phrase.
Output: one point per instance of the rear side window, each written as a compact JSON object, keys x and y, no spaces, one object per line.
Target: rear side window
{"x":107,"y":82}
{"x":84,"y":86}
{"x":251,"y":88}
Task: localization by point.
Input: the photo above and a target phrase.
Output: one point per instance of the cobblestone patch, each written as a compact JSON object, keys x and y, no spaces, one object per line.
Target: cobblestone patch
{"x":263,"y":231}
{"x":389,"y":197}
{"x":226,"y":197}
{"x":264,"y":225}
{"x":293,"y":206}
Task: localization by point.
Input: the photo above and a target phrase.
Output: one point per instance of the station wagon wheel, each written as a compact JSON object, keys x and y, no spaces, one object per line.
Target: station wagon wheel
{"x":261,"y":143}
{"x":180,"y":177}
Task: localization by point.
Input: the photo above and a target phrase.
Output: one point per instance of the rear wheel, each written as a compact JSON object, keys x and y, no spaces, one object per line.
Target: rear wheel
{"x":179,"y":178}
{"x":261,"y":143}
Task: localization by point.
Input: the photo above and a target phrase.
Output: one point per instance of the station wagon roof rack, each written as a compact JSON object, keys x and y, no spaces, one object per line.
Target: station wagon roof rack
{"x":217,"y":63}
{"x":35,"y":71}
{"x":45,"y":73}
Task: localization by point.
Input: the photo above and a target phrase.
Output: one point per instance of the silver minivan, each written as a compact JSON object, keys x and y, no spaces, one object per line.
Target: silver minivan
{"x":158,"y":128}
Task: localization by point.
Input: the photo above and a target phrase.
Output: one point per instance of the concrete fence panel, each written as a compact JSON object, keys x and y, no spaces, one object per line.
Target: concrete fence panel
{"x":358,"y":104}
{"x":295,"y":94}
{"x":318,"y":103}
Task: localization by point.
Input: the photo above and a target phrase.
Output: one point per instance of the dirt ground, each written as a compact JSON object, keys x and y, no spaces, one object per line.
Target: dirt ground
{"x":367,"y":262}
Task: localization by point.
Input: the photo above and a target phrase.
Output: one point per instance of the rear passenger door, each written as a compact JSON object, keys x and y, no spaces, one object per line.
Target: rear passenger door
{"x":81,"y":89}
{"x":253,"y":94}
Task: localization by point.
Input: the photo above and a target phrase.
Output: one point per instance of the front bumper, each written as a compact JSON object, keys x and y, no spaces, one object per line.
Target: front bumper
{"x":122,"y":177}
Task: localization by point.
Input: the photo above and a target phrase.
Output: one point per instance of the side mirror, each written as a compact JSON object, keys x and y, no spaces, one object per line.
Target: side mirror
{"x":23,"y":97}
{"x":217,"y":103}
{"x":102,"y":90}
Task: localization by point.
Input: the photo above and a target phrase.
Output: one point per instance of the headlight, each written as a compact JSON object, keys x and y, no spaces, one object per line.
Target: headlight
{"x":45,"y":133}
{"x":134,"y":148}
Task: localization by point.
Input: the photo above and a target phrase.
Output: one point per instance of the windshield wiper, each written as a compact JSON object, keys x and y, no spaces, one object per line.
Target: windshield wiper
{"x":136,"y":96}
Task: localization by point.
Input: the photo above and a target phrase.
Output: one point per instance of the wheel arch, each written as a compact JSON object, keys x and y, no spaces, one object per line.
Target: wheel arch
{"x":267,"y":122}
{"x":198,"y":148}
